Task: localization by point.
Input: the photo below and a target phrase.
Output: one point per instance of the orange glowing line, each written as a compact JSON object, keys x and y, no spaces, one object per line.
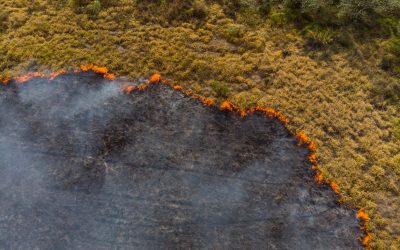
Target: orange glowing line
{"x":177,"y":87}
{"x":335,"y":187}
{"x":5,"y":80}
{"x":98,"y":70}
{"x":54,"y":74}
{"x":28,"y":77}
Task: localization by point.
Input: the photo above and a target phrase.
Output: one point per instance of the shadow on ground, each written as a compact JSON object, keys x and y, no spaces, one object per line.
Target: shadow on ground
{"x":84,"y":166}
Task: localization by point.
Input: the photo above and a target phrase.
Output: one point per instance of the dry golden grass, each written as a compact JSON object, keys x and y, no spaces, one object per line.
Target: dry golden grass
{"x":330,"y":99}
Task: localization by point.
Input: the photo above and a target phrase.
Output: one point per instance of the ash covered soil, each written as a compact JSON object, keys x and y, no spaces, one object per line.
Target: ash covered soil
{"x":84,"y":166}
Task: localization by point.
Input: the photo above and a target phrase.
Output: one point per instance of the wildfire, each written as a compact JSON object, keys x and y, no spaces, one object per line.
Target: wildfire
{"x":54,"y":74}
{"x":207,"y":101}
{"x":109,"y":76}
{"x":365,"y":241}
{"x":155,"y":78}
{"x":273,"y":113}
{"x":5,"y":80}
{"x":28,"y":77}
{"x":128,"y":89}
{"x":99,"y":70}
{"x":227,"y":106}
{"x":335,"y":187}
{"x":319,"y":178}
{"x":313,"y":158}
{"x":177,"y":87}
{"x":304,"y":140}
{"x":362,"y":215}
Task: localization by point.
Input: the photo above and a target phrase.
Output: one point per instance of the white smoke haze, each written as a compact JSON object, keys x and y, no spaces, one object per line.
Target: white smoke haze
{"x":84,"y":166}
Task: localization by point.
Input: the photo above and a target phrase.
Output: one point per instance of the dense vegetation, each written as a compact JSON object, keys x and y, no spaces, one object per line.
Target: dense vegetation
{"x":331,"y":66}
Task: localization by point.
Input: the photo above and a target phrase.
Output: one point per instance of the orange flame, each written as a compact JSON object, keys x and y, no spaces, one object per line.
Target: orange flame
{"x":304,"y":140}
{"x":335,"y":187}
{"x":313,"y":158}
{"x":362,"y":215}
{"x":155,"y":78}
{"x":319,"y":178}
{"x":109,"y":76}
{"x":273,"y":113}
{"x":365,"y":241}
{"x":99,"y":70}
{"x":128,"y":89}
{"x":53,"y":75}
{"x":5,"y":80}
{"x":28,"y":77}
{"x":312,"y":146}
{"x":227,"y":106}
{"x":86,"y":67}
{"x":207,"y":101}
{"x":177,"y":87}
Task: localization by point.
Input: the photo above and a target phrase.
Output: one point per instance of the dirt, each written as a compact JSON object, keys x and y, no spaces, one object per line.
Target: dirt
{"x":85,"y":166}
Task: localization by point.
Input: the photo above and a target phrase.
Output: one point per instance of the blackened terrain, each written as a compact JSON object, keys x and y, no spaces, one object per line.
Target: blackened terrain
{"x":84,"y":166}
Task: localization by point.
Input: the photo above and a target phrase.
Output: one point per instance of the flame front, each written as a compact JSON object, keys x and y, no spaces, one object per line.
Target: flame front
{"x":227,"y":106}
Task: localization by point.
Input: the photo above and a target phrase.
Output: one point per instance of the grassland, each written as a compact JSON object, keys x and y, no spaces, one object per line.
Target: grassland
{"x":338,"y":95}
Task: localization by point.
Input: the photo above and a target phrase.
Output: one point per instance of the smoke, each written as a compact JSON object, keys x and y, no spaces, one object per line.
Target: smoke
{"x":84,"y":166}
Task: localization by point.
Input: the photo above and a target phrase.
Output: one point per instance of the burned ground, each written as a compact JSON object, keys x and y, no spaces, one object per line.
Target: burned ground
{"x":85,"y":166}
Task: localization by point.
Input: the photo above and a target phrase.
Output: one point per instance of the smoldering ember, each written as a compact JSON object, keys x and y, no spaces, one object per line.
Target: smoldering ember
{"x":85,"y":166}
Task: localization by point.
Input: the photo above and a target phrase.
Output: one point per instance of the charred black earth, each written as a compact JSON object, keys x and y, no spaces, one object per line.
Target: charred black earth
{"x":84,"y":166}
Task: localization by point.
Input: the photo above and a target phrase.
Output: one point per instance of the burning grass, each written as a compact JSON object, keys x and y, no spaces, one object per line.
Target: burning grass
{"x":302,"y":138}
{"x":267,"y":128}
{"x":332,"y":97}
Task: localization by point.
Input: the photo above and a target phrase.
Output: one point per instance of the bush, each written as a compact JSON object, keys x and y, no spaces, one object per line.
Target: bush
{"x":94,"y":8}
{"x":220,"y":88}
{"x":345,"y":11}
{"x":3,"y":21}
{"x":318,"y":35}
{"x":171,"y":11}
{"x":91,"y":7}
{"x":233,"y":33}
{"x":394,"y":45}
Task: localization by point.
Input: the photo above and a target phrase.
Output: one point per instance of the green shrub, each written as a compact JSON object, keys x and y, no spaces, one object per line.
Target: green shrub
{"x":93,"y":8}
{"x":278,"y":17}
{"x":397,"y":128}
{"x":319,"y":35}
{"x":171,"y":11}
{"x":3,"y":21}
{"x":220,"y":88}
{"x":233,"y":33}
{"x":394,"y":45}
